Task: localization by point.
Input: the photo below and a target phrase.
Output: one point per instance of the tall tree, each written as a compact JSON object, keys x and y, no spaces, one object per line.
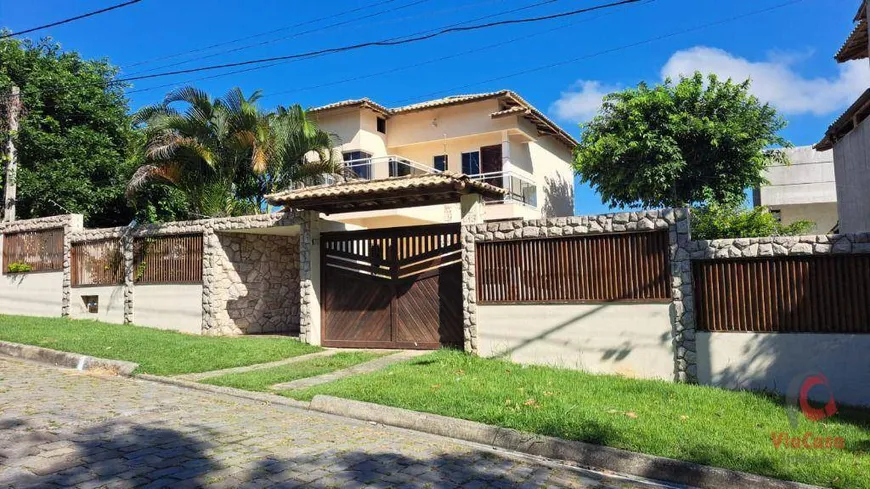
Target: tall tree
{"x":697,"y":140}
{"x":73,"y":136}
{"x":225,"y":154}
{"x":203,"y":149}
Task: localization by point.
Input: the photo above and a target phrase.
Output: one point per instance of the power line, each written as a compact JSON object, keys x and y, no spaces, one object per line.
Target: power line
{"x":497,"y":14}
{"x":392,"y":39}
{"x":383,"y":42}
{"x":71,"y":19}
{"x":292,"y":36}
{"x":309,"y":55}
{"x":253,"y":36}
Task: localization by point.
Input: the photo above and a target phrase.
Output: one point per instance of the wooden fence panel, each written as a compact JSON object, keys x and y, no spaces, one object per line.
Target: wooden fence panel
{"x":97,"y":263}
{"x":168,"y":259}
{"x":630,"y":267}
{"x":42,"y":250}
{"x":795,"y":294}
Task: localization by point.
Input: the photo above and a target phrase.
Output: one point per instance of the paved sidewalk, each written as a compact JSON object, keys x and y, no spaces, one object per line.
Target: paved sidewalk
{"x":362,"y":368}
{"x":62,"y":428}
{"x":259,"y":366}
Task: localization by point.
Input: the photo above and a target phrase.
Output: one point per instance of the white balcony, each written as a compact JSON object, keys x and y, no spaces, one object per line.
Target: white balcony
{"x":385,"y":166}
{"x":520,"y":189}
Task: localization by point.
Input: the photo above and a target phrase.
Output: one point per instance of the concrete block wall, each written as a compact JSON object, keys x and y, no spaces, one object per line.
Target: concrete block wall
{"x":265,"y":301}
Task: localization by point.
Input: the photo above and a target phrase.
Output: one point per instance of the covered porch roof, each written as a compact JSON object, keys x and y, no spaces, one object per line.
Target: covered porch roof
{"x":386,"y":193}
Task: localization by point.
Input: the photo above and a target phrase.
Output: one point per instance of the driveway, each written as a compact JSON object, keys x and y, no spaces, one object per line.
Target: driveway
{"x":63,"y":428}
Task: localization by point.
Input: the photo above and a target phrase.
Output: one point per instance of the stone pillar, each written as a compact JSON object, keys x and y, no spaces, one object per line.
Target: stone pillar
{"x":683,"y":304}
{"x":129,"y":274}
{"x":75,"y":223}
{"x":309,"y":278}
{"x":210,"y":246}
{"x":471,"y":206}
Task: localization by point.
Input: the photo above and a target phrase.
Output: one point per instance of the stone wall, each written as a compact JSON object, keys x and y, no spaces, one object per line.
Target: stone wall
{"x":224,"y":308}
{"x":675,"y":220}
{"x":256,"y":284}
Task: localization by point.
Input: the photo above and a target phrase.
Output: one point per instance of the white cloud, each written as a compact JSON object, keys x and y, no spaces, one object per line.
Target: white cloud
{"x":775,"y":80}
{"x":582,"y":101}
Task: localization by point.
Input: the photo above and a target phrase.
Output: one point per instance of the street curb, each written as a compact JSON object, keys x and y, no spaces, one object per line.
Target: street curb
{"x":230,"y":391}
{"x":65,"y":359}
{"x":586,"y":455}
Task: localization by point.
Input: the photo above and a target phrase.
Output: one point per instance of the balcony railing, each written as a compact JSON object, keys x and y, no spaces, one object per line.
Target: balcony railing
{"x":519,"y":188}
{"x":386,"y":166}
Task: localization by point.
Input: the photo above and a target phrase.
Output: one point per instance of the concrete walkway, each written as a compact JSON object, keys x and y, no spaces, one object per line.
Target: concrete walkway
{"x":362,"y":368}
{"x":259,"y":366}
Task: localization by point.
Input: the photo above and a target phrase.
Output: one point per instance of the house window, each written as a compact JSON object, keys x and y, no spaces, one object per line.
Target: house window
{"x":471,"y":163}
{"x":440,"y":163}
{"x":359,"y":162}
{"x":382,"y":125}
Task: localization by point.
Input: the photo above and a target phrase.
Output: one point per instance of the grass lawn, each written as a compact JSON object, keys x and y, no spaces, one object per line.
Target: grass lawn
{"x":156,"y":351}
{"x":260,"y":380}
{"x":701,"y":424}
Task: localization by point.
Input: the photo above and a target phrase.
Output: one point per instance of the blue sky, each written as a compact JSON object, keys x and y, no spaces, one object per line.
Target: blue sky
{"x":787,"y":51}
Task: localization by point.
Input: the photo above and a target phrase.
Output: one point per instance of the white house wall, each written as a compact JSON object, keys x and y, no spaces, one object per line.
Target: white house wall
{"x":852,"y":168}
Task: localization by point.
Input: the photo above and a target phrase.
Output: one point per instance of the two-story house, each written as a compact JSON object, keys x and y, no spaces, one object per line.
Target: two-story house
{"x":495,"y":137}
{"x":802,"y":190}
{"x":849,"y":137}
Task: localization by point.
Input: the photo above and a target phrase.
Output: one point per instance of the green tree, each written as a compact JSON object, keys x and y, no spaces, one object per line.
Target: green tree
{"x":734,"y":220}
{"x":74,"y":133}
{"x":204,"y":149}
{"x":225,"y":154}
{"x":700,"y":139}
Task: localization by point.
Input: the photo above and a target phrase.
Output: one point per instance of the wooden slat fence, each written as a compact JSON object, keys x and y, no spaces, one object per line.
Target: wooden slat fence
{"x":168,"y":259}
{"x":97,"y":263}
{"x":42,"y":250}
{"x":394,"y":252}
{"x":803,"y":294}
{"x":631,"y":267}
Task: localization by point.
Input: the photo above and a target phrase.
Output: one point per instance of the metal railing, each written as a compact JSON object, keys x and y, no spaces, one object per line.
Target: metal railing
{"x":396,"y":166}
{"x":519,"y":188}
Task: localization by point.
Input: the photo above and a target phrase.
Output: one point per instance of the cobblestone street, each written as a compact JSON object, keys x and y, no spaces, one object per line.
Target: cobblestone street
{"x":61,"y":428}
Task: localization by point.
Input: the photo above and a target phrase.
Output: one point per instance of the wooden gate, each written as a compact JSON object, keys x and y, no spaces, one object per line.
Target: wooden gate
{"x":392,"y":288}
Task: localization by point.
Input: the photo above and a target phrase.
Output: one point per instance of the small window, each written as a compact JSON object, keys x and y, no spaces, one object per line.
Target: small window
{"x":91,"y":303}
{"x":382,"y":125}
{"x":440,"y":163}
{"x":359,"y":162}
{"x":471,"y":163}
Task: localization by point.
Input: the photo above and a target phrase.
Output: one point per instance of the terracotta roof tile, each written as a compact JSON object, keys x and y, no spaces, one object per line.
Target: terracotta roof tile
{"x":380,"y":186}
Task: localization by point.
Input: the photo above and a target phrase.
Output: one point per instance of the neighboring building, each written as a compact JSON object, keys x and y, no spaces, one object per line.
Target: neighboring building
{"x":802,"y":190}
{"x":849,"y":137}
{"x":496,"y":137}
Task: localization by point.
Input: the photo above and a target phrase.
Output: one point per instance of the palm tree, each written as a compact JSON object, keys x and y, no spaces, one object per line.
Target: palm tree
{"x":299,"y":154}
{"x":225,"y":154}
